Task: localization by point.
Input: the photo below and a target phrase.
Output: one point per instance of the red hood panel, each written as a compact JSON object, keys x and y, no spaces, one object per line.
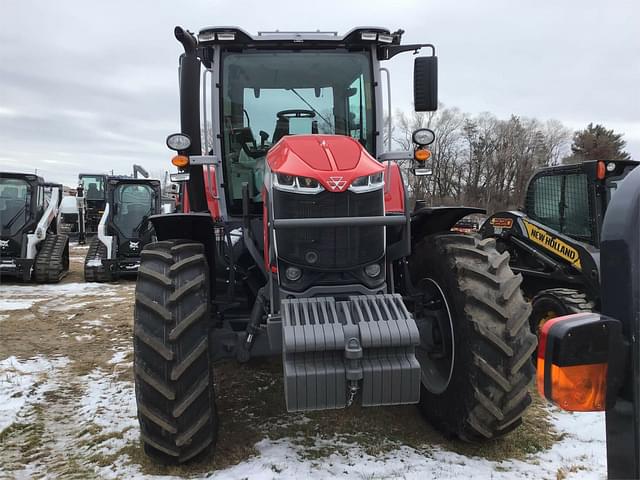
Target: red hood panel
{"x":324,"y":158}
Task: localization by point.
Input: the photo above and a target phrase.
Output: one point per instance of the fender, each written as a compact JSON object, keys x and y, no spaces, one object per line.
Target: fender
{"x":196,"y":226}
{"x":428,"y":220}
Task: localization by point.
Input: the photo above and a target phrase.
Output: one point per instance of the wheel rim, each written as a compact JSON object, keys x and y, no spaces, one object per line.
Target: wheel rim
{"x":536,"y":327}
{"x":436,"y":352}
{"x":547,"y":316}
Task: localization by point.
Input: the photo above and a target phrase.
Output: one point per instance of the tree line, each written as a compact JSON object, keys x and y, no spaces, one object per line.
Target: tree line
{"x":481,"y":160}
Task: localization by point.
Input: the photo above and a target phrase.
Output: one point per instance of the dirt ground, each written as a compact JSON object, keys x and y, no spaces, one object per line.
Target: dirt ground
{"x":69,"y":405}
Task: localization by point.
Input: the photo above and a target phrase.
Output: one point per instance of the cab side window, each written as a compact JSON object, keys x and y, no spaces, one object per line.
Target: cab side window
{"x":561,"y":202}
{"x":543,"y":201}
{"x":577,"y":216}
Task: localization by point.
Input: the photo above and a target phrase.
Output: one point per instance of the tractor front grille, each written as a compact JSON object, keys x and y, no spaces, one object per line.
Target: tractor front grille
{"x":334,"y":247}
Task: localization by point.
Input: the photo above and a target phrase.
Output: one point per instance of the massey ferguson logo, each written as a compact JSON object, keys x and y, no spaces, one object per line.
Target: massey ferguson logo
{"x":4,"y":244}
{"x":134,"y":245}
{"x":337,"y":183}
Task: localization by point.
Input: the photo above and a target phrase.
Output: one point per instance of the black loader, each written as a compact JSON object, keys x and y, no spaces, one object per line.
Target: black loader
{"x":555,"y":241}
{"x":591,"y":361}
{"x":123,"y":229}
{"x":30,"y":246}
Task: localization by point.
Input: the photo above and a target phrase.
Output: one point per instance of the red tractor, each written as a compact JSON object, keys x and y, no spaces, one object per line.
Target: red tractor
{"x":302,"y":244}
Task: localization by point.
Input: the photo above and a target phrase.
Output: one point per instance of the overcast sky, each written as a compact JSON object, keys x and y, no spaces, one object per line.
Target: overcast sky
{"x":92,"y":86}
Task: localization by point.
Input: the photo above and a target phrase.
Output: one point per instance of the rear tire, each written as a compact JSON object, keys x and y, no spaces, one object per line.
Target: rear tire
{"x":52,"y":261}
{"x":94,"y":270}
{"x":487,"y":389}
{"x":172,"y":362}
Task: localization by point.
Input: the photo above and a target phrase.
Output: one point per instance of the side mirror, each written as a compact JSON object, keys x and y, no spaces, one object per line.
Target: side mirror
{"x":425,"y":84}
{"x":580,"y":363}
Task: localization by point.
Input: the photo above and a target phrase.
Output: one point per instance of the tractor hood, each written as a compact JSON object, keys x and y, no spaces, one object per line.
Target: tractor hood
{"x":333,"y":160}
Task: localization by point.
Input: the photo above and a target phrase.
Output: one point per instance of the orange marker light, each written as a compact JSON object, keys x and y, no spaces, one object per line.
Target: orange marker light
{"x":180,"y":161}
{"x":579,"y":388}
{"x":601,"y":170}
{"x":422,"y":154}
{"x":572,"y":387}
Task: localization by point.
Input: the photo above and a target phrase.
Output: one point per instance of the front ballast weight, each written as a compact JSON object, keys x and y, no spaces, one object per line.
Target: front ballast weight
{"x":336,"y":351}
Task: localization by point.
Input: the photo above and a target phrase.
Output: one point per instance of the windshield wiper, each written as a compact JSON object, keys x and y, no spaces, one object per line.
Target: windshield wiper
{"x":14,"y":218}
{"x":311,"y":106}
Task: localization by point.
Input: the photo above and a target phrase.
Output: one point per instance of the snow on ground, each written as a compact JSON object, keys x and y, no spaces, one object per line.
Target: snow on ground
{"x":582,"y":449}
{"x":581,"y":454}
{"x":111,"y":406}
{"x":11,"y":304}
{"x":107,"y":405}
{"x":60,"y":289}
{"x":22,"y":382}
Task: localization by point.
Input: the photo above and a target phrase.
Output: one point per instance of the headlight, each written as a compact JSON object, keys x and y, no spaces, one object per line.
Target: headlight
{"x":292,"y":183}
{"x":423,"y":136}
{"x":372,"y":270}
{"x":293,"y":274}
{"x":367,"y":183}
{"x":40,"y":234}
{"x":360,"y":182}
{"x":307,"y":182}
{"x":178,"y":141}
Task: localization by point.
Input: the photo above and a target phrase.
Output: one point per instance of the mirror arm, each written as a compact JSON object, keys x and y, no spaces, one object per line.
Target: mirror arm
{"x":390,"y":51}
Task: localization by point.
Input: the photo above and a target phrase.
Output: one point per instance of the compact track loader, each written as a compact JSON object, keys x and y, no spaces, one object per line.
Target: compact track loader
{"x":123,"y":230}
{"x":31,"y":248}
{"x":555,"y":241}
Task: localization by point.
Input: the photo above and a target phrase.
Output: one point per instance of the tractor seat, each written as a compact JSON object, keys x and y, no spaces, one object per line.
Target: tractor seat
{"x":93,"y":193}
{"x":282,"y":129}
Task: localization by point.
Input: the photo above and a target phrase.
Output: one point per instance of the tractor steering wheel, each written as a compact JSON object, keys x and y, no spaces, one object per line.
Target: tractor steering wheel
{"x":296,"y":113}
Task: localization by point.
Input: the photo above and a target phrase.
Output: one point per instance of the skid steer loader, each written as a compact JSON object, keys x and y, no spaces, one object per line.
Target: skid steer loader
{"x":123,"y":229}
{"x":296,"y":239}
{"x":30,"y":246}
{"x":555,"y":241}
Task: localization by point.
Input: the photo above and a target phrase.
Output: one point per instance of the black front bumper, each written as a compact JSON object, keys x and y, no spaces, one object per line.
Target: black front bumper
{"x":16,"y":267}
{"x":122,"y":267}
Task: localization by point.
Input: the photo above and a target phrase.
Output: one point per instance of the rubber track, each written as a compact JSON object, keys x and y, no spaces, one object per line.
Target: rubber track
{"x":52,"y":261}
{"x":96,"y":251}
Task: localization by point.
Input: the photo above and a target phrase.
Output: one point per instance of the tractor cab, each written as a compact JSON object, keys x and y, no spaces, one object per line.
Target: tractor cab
{"x":28,"y":223}
{"x":123,"y":229}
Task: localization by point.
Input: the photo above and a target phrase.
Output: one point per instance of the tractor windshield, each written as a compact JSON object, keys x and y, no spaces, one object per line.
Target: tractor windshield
{"x":269,"y":94}
{"x":15,"y":200}
{"x":133,"y":204}
{"x":93,"y":187}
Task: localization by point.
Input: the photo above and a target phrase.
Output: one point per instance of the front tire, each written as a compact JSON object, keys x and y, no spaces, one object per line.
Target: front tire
{"x":172,"y":362}
{"x":476,"y":386}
